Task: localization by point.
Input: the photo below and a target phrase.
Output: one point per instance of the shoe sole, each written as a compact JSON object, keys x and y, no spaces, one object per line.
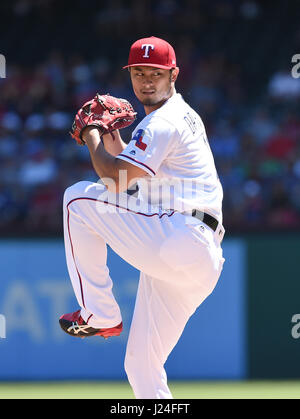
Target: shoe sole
{"x":94,"y":332}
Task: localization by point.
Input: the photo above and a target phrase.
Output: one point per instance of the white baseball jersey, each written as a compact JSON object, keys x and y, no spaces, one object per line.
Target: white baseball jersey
{"x":178,"y":256}
{"x":171,"y":145}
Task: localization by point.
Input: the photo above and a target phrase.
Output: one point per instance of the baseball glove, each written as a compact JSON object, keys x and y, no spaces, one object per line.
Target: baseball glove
{"x":105,"y":112}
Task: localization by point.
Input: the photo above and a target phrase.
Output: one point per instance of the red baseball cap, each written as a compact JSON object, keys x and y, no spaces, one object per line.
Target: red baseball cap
{"x":152,"y":52}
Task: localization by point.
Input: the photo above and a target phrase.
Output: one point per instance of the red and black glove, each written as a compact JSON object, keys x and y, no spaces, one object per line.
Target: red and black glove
{"x":105,"y":112}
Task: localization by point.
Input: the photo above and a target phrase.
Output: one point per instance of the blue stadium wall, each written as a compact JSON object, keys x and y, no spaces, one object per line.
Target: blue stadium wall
{"x":35,"y":290}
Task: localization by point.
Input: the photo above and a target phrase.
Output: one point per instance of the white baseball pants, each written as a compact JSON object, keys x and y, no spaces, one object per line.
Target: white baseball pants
{"x":179,"y":264}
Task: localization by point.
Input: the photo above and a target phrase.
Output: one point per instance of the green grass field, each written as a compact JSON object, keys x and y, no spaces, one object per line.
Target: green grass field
{"x":180,"y":390}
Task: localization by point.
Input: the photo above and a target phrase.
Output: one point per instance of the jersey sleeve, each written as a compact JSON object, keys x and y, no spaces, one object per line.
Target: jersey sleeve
{"x":150,"y":145}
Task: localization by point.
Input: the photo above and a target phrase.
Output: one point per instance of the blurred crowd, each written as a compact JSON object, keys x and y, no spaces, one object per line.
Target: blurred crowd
{"x":250,"y":110}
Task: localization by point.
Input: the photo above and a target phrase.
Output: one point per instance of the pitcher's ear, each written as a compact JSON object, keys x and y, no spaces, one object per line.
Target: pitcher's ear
{"x":174,"y":74}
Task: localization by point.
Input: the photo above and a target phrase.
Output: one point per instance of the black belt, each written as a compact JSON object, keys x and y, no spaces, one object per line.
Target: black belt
{"x":206,"y":218}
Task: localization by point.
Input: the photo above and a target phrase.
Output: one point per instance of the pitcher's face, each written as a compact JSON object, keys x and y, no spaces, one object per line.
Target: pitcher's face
{"x":153,"y":86}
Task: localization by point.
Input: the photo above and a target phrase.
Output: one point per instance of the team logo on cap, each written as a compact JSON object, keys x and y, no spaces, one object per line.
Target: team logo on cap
{"x":147,"y":48}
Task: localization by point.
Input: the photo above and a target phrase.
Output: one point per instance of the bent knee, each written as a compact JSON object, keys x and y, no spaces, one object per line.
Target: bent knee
{"x":74,"y":191}
{"x":132,"y":364}
{"x":129,"y":364}
{"x":82,"y":189}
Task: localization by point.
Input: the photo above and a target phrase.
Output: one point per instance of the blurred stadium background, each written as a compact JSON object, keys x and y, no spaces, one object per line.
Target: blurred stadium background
{"x":235,"y":70}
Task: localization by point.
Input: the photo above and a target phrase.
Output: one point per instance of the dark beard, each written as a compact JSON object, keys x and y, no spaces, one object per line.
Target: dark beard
{"x":153,"y":102}
{"x":150,"y":102}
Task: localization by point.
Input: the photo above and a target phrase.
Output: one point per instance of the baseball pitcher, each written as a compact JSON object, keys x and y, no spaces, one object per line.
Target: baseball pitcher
{"x":171,"y":231}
